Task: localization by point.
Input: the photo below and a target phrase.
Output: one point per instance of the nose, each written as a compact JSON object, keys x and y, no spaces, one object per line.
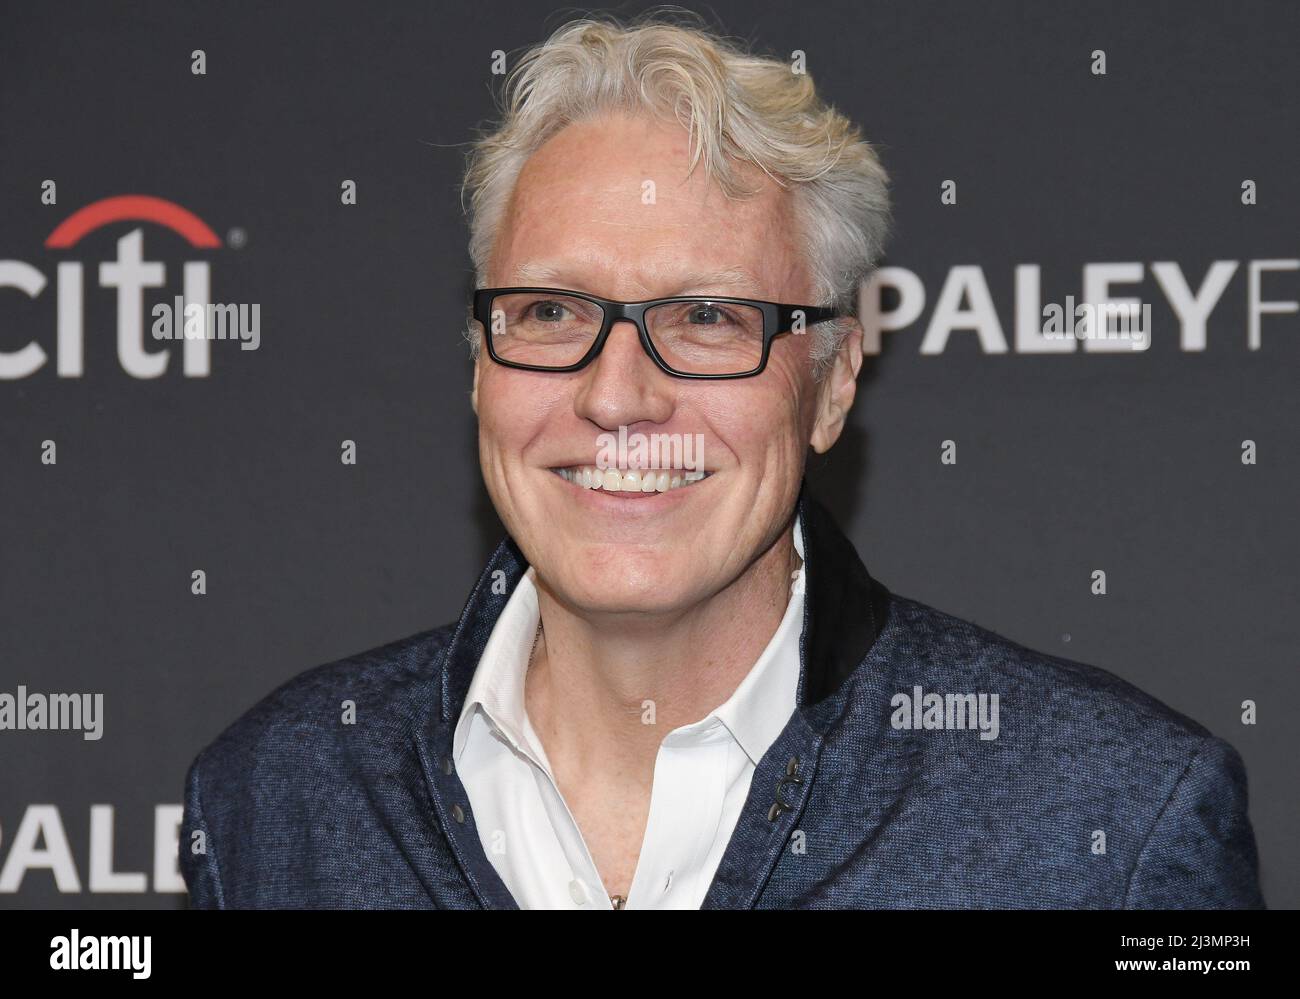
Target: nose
{"x":623,"y":385}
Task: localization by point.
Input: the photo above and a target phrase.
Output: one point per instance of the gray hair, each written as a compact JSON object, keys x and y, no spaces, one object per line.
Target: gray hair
{"x":735,"y":106}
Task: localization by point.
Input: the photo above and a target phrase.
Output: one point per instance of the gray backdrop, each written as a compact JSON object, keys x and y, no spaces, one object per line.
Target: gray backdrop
{"x":1067,"y":463}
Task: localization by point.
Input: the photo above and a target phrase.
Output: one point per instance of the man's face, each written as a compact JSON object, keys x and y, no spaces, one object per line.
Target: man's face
{"x":579,"y":219}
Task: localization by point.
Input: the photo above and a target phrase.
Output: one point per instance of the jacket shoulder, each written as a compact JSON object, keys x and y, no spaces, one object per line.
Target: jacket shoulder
{"x":312,"y":701}
{"x":1093,"y":792}
{"x":1077,"y":752}
{"x":1046,"y":693}
{"x":272,"y":767}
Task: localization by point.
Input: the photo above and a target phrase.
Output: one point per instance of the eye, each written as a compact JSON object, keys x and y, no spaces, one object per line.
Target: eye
{"x":707,"y":315}
{"x":547,"y":311}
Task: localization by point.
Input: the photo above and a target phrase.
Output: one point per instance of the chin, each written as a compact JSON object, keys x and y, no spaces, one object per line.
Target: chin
{"x":615,"y":590}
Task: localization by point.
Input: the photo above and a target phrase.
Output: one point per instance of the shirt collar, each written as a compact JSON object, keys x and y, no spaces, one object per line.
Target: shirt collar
{"x":498,"y":684}
{"x":761,"y":706}
{"x":754,"y":714}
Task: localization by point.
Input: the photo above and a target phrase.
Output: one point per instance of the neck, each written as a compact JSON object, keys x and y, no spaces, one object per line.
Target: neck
{"x":603,"y":693}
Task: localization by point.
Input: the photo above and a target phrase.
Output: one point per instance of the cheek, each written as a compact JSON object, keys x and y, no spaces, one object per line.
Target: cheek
{"x":794,"y":393}
{"x":503,"y":409}
{"x":516,"y":410}
{"x":759,"y":428}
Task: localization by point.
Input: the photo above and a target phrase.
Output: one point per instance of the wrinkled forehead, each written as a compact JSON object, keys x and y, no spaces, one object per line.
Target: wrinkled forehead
{"x":615,"y":199}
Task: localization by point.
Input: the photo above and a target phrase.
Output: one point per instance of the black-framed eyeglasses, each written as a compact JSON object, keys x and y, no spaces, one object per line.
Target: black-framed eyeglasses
{"x":695,"y":336}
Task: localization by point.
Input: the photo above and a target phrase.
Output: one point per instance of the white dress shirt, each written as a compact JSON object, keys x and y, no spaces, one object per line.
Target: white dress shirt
{"x":701,"y":777}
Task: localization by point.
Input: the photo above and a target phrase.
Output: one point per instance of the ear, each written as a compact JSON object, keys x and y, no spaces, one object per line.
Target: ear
{"x":837,"y":390}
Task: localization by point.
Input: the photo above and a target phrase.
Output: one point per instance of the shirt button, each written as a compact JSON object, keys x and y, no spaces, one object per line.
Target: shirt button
{"x":458,"y":813}
{"x":578,"y":892}
{"x":668,"y":881}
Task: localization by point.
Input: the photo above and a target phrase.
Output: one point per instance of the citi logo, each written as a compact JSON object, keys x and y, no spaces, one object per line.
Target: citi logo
{"x":130,"y":274}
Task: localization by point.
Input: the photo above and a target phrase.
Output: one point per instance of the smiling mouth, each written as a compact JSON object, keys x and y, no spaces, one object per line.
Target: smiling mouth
{"x":612,"y":480}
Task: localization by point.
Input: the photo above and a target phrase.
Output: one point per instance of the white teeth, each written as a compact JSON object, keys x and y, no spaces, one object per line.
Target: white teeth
{"x":631,"y":481}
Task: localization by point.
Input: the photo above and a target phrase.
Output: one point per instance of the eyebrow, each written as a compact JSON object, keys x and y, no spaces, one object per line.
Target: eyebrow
{"x":734,"y":278}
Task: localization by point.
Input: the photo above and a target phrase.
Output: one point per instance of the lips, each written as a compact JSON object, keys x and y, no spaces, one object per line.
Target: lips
{"x":645,"y":480}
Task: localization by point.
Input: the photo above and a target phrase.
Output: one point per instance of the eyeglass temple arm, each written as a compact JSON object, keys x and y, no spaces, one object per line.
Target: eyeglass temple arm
{"x":811,"y":314}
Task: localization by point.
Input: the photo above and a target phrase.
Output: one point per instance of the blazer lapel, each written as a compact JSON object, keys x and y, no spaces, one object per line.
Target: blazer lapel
{"x":404,"y":759}
{"x":434,"y":739}
{"x":845,"y":610}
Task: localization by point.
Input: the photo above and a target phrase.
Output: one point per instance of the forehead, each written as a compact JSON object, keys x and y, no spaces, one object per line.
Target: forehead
{"x":611,"y":204}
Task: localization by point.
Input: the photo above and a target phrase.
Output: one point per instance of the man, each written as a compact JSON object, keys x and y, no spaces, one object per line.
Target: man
{"x":675,"y":684}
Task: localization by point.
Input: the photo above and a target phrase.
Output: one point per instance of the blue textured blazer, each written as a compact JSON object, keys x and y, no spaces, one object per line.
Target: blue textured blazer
{"x":1092,"y":795}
